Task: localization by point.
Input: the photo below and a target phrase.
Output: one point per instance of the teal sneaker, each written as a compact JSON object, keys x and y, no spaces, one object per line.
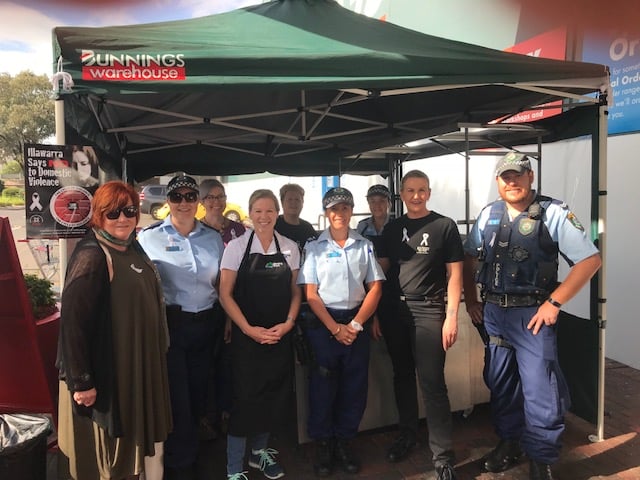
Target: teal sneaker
{"x":237,"y":476}
{"x":265,"y":461}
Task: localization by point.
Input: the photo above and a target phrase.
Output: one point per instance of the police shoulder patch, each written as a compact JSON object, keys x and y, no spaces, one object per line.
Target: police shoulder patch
{"x":574,"y":221}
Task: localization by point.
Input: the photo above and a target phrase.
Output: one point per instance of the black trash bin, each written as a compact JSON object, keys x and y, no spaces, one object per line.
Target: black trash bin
{"x":23,"y":446}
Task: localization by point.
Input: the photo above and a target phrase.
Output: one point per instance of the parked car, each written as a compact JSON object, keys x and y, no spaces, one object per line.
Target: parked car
{"x":152,"y":198}
{"x":233,"y":212}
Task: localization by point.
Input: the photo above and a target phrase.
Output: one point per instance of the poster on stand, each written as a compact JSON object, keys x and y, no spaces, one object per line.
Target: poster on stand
{"x":59,"y":184}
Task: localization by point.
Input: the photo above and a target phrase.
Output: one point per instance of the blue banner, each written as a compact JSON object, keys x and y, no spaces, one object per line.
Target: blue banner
{"x":621,"y":52}
{"x":329,"y":182}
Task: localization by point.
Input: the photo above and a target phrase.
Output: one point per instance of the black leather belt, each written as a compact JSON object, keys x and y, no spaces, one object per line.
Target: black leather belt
{"x":513,"y":300}
{"x":421,"y":298}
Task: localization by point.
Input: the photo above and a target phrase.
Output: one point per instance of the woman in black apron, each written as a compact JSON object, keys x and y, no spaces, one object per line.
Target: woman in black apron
{"x":259,"y":293}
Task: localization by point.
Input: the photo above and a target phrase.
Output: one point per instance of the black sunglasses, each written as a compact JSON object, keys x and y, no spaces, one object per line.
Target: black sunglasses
{"x":129,"y":212}
{"x":176,"y":197}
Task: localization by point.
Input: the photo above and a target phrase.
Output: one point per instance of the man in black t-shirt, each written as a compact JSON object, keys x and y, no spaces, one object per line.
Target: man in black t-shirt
{"x":289,"y":223}
{"x":422,"y":256}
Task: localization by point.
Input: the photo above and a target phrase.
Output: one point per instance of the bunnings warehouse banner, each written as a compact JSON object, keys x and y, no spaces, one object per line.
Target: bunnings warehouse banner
{"x":59,"y":184}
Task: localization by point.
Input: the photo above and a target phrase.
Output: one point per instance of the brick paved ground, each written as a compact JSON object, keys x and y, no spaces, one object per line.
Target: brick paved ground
{"x":617,"y":457}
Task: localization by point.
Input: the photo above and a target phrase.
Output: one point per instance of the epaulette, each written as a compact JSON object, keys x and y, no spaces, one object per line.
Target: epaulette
{"x":560,"y":203}
{"x":488,"y":206}
{"x":153,"y":225}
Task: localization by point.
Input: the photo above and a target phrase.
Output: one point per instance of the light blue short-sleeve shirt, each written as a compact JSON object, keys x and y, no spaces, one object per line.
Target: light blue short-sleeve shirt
{"x":340,"y":272}
{"x":188,"y":266}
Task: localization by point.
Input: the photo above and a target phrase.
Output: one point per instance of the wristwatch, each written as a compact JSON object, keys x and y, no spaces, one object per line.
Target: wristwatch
{"x":356,"y":326}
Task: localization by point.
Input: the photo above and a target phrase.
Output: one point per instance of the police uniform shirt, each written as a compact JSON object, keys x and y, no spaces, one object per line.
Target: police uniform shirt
{"x":418,"y":250}
{"x":233,"y":253}
{"x":340,"y":272}
{"x":562,"y":224}
{"x":188,"y":266}
{"x":367,"y":229}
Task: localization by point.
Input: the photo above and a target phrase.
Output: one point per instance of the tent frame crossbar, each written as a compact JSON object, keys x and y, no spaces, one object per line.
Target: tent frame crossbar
{"x":301,"y":142}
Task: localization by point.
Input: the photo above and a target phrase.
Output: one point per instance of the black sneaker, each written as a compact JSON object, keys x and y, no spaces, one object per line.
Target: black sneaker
{"x":400,"y":448}
{"x":506,"y":455}
{"x":445,"y":472}
{"x":323,"y":466}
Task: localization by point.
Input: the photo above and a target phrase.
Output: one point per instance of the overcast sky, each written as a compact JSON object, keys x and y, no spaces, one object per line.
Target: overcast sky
{"x":25,"y":27}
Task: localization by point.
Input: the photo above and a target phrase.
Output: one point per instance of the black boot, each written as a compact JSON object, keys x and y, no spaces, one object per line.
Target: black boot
{"x":539,"y":471}
{"x":507,"y":454}
{"x":323,"y":467}
{"x":345,"y":457}
{"x":401,"y":447}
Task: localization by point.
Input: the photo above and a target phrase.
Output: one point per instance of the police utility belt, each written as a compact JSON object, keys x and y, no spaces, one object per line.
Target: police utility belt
{"x":514,"y":299}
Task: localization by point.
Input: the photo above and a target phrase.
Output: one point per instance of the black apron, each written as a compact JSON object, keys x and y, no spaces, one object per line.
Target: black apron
{"x":262,"y":374}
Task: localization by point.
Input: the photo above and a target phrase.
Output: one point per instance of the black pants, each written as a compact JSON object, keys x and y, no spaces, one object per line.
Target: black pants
{"x":413,"y":334}
{"x":188,"y":365}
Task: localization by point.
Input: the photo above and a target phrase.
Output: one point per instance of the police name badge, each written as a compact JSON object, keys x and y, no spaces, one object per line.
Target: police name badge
{"x":526,"y":226}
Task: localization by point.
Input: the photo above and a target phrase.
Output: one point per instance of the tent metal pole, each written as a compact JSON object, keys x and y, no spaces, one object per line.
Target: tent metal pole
{"x":467,"y":191}
{"x":60,"y":140}
{"x":598,"y":232}
{"x":125,"y":174}
{"x":391,"y":178}
{"x":539,"y":164}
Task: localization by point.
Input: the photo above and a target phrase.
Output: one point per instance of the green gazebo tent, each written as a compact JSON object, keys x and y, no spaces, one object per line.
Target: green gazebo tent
{"x":305,"y":87}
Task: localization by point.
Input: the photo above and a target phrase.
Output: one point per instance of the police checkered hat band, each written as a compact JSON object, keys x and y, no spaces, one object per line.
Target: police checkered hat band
{"x":380,"y":190}
{"x":182,"y":181}
{"x":335,"y":196}
{"x":518,"y":162}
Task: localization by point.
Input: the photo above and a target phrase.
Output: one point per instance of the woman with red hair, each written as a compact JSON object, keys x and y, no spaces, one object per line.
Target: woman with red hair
{"x":114,"y":409}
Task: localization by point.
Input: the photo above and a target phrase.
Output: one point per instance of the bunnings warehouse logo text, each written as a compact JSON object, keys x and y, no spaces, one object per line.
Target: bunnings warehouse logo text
{"x":132,"y":67}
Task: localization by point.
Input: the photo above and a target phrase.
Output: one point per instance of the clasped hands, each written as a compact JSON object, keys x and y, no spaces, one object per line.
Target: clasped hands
{"x":346,"y":334}
{"x":269,"y":336}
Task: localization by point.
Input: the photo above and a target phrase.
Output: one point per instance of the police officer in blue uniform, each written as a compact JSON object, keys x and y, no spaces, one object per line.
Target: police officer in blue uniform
{"x":379,"y":200}
{"x":187,"y":255}
{"x":342,"y":281}
{"x":512,"y":252}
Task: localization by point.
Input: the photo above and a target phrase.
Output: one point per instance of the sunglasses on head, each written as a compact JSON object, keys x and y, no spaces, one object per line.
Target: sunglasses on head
{"x":129,"y":212}
{"x":176,"y":197}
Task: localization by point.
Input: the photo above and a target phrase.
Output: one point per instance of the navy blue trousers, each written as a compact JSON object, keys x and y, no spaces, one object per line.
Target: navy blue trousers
{"x":188,"y":365}
{"x":529,"y":395}
{"x":338,"y":384}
